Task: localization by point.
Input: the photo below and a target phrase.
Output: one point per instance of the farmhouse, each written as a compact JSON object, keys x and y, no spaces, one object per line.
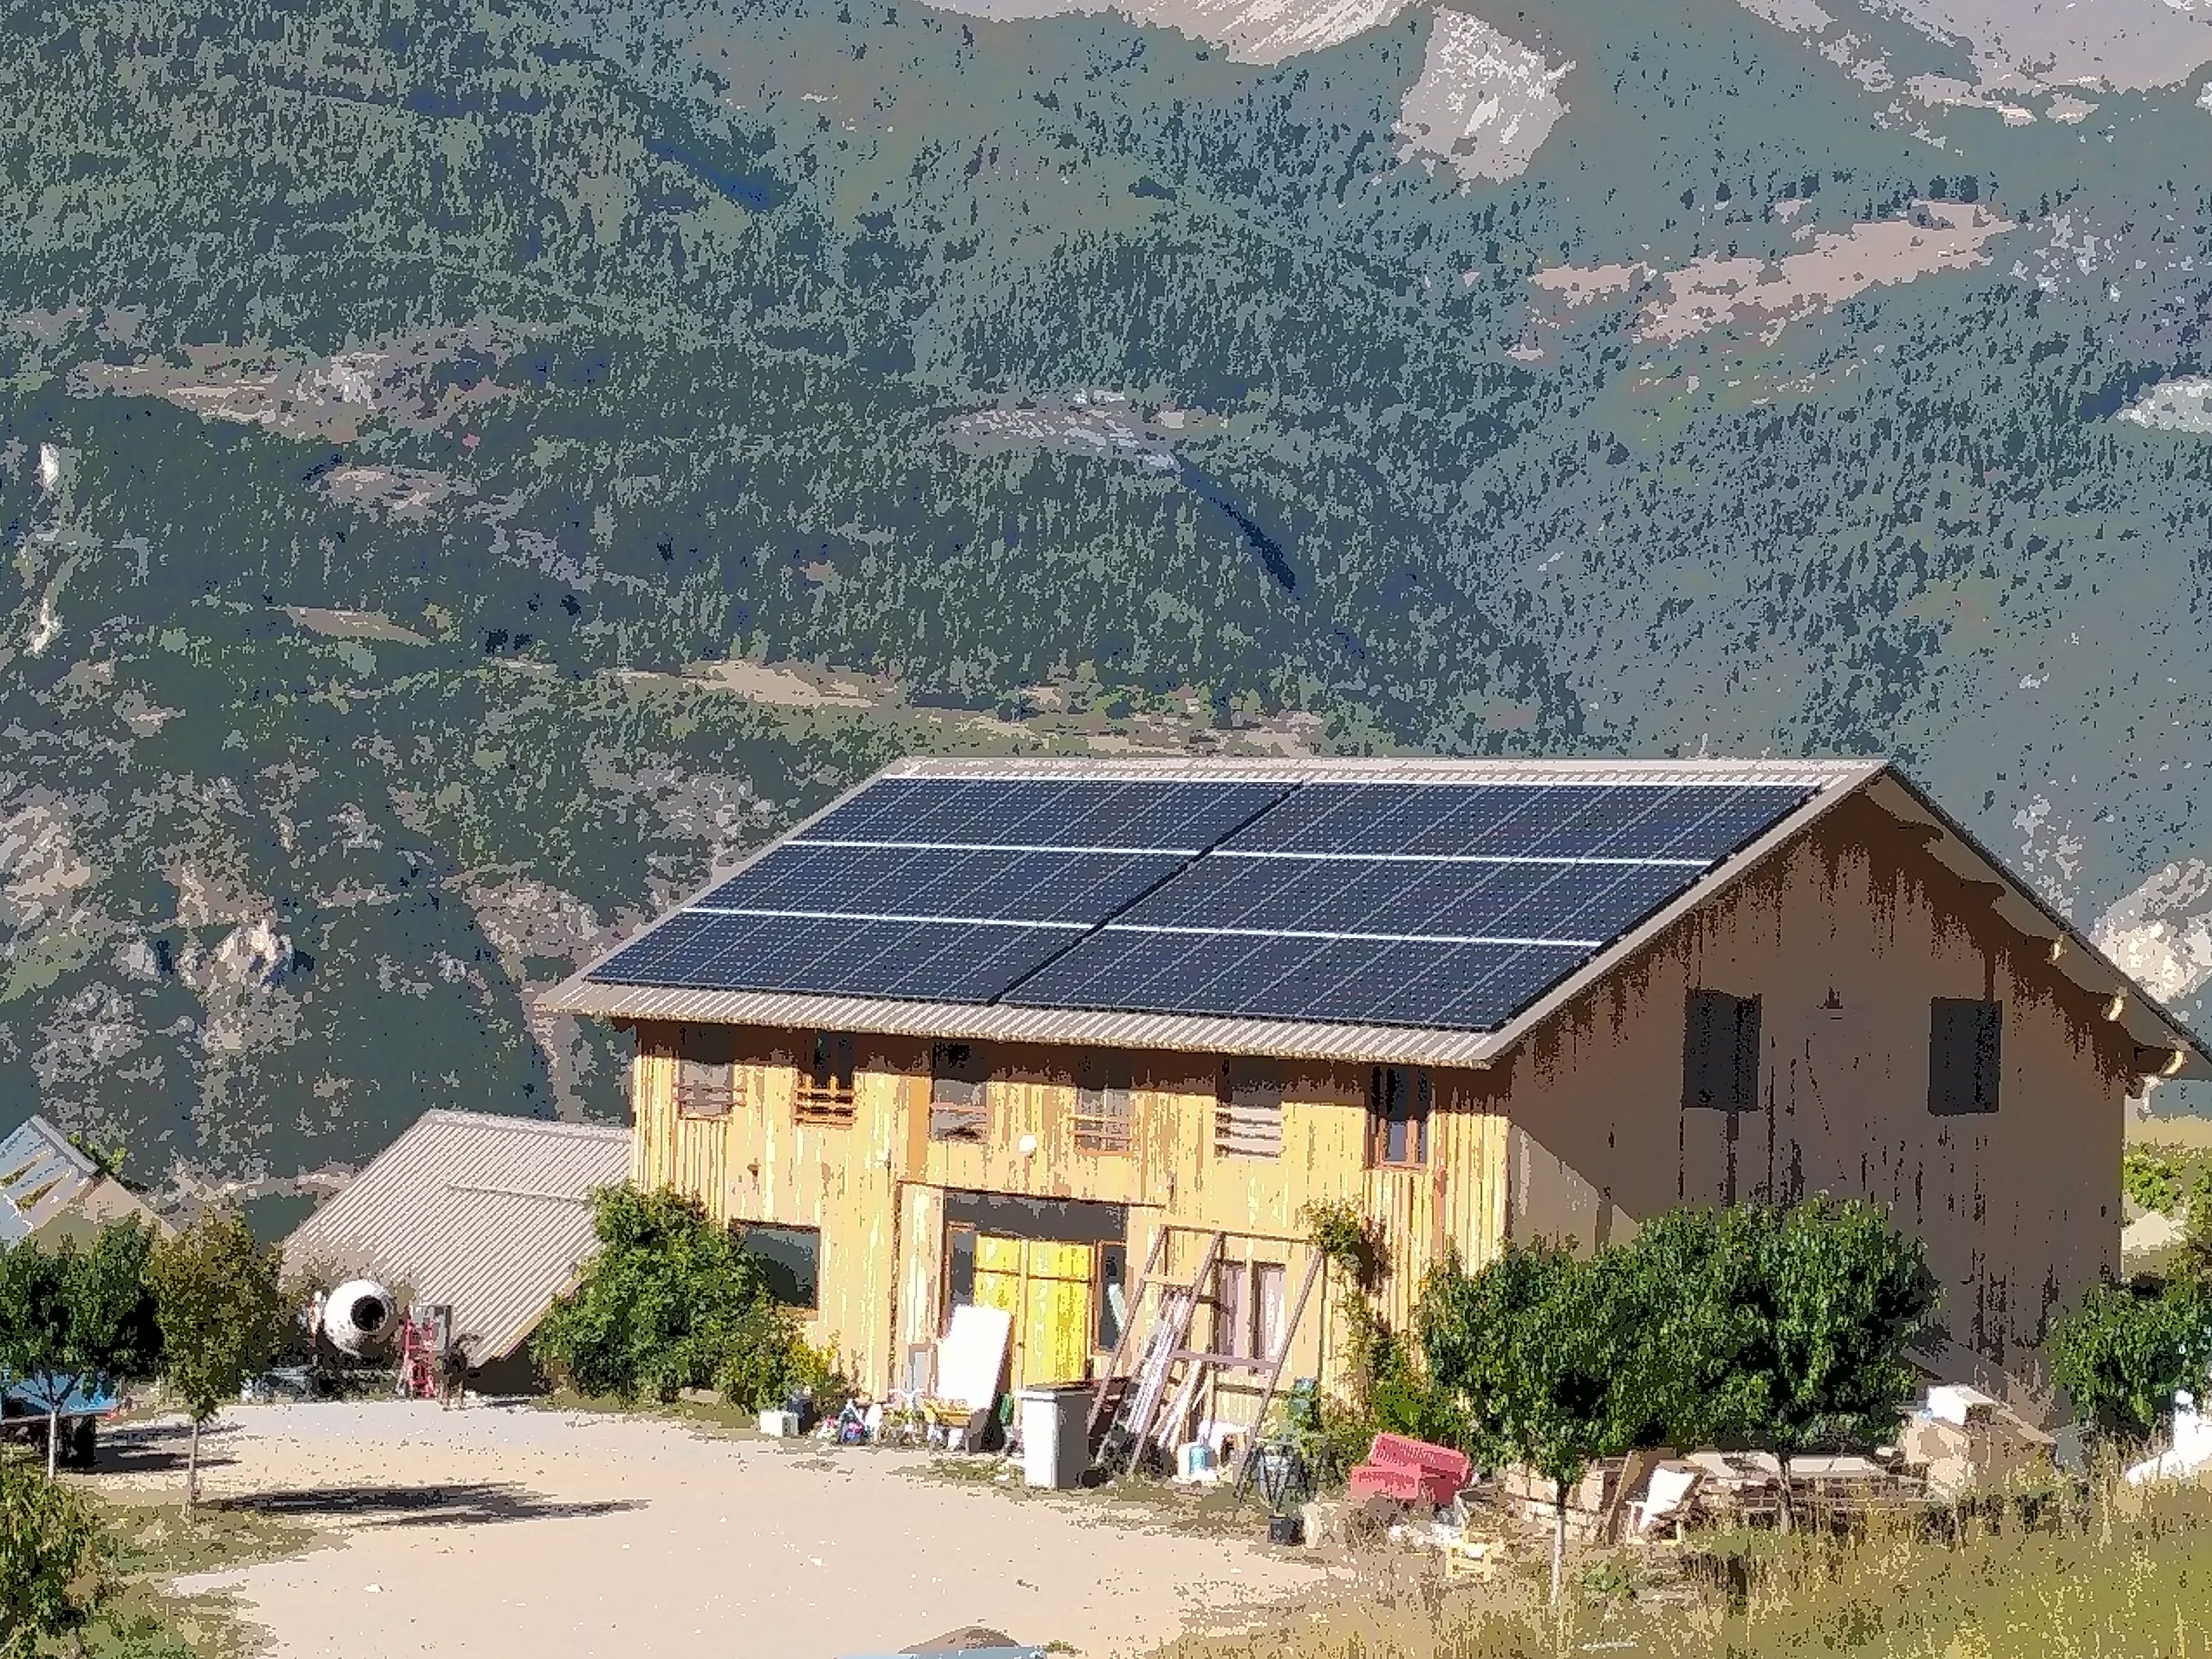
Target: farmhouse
{"x":1013,"y":1032}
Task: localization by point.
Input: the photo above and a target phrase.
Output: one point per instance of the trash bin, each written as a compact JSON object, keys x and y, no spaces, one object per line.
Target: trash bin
{"x":1055,"y":1434}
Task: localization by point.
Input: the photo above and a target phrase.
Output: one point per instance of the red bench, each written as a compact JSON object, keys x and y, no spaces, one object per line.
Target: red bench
{"x":1411,"y":1472}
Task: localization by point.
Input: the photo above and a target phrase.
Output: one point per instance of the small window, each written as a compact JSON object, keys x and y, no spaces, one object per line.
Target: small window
{"x":1248,"y":1310}
{"x":790,"y":1259}
{"x":1105,"y":1111}
{"x":959,"y":1269}
{"x":1112,"y":1296}
{"x":825,"y":1082}
{"x":1720,"y":1052}
{"x":1399,"y":1104}
{"x":1269,"y":1280}
{"x":957,"y":1088}
{"x":706,"y":1073}
{"x":1966,"y":1052}
{"x":1233,"y":1312}
{"x":1247,"y":1110}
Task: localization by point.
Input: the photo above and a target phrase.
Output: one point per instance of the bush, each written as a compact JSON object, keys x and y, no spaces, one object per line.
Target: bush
{"x":673,"y":1301}
{"x":53,"y":1560}
{"x":2153,"y":1181}
{"x":2125,"y":1351}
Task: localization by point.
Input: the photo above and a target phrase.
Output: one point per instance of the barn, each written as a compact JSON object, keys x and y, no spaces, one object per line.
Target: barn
{"x":1039,"y":1034}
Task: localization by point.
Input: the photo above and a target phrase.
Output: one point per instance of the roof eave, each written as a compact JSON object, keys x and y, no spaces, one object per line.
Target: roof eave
{"x":2159,"y":1034}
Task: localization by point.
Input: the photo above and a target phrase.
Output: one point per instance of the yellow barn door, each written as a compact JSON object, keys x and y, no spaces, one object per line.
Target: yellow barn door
{"x":1045,"y":1288}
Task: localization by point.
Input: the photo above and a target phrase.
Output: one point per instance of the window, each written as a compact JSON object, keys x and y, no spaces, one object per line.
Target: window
{"x":1965,"y":1044}
{"x":957,"y":1098}
{"x":1112,"y":1296}
{"x":1233,"y":1312}
{"x":1399,"y":1104}
{"x":1720,"y":1052}
{"x":1247,"y":1110}
{"x":1105,"y":1114}
{"x":1248,"y":1310}
{"x":959,"y":1269}
{"x":706,"y":1071}
{"x":825,"y":1081}
{"x":790,"y":1259}
{"x":1268,"y":1280}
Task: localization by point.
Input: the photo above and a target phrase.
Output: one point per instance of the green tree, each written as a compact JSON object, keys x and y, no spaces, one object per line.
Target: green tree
{"x":1834,"y":1295}
{"x":221,"y":1315}
{"x":1545,"y":1350}
{"x":2125,"y":1351}
{"x":72,"y":1319}
{"x":2194,"y":1260}
{"x":53,"y":1560}
{"x":2152,"y":1181}
{"x":672,"y":1301}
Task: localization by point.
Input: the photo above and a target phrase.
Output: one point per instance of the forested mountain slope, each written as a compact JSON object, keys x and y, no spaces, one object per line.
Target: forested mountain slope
{"x":469,"y":468}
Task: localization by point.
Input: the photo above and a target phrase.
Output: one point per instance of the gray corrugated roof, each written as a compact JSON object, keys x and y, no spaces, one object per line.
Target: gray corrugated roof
{"x":1833,"y":781}
{"x":41,"y":1175}
{"x":489,"y":1214}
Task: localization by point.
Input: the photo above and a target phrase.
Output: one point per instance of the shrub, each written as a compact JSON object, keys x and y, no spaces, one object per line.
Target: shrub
{"x":2125,"y":1351}
{"x":2153,"y":1181}
{"x":53,"y":1561}
{"x":673,"y":1301}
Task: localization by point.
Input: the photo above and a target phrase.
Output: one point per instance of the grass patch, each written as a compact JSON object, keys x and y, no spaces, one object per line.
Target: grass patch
{"x":2127,"y":1576}
{"x":153,"y":1544}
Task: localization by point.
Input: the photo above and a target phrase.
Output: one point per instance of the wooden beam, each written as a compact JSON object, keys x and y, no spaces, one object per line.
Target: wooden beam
{"x":2159,"y":1062}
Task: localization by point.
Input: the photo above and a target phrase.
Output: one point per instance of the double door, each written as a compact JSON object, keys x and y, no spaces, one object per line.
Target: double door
{"x":1050,"y":1290}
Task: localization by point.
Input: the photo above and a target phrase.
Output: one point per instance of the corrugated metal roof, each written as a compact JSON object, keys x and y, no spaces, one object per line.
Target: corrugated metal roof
{"x":491,"y":1215}
{"x":1002,"y":1021}
{"x":1385,"y":769}
{"x":1832,"y":780}
{"x":41,"y":1175}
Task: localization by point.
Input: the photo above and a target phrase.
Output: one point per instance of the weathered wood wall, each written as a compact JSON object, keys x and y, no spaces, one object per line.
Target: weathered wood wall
{"x":1845,"y":937}
{"x":874,"y":1188}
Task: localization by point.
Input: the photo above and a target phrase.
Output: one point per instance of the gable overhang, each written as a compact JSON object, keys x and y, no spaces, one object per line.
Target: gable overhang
{"x":2164,"y":1047}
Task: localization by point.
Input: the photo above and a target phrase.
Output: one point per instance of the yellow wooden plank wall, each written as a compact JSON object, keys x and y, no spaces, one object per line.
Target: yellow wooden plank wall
{"x":874,"y":1188}
{"x":758,"y":1164}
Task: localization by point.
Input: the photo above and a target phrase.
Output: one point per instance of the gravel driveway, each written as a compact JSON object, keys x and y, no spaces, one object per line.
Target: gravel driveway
{"x":503,"y":1528}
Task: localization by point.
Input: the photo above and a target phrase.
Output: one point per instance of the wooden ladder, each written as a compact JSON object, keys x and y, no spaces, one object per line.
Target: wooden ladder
{"x":1155,"y":1395}
{"x":1167,"y":1345}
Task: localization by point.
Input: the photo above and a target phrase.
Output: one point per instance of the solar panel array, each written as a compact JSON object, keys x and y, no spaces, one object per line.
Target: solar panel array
{"x":1430,"y":904}
{"x":938,"y":888}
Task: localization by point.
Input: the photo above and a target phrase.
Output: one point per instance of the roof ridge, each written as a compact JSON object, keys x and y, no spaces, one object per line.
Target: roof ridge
{"x":515,"y":1121}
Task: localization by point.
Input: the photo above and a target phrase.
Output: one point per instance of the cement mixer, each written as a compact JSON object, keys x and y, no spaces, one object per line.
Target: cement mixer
{"x":359,"y":1314}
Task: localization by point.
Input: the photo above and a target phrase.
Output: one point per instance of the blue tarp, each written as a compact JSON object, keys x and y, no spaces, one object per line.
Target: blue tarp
{"x":82,"y":1402}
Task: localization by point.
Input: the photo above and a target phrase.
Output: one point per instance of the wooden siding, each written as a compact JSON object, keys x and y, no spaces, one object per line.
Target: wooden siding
{"x":1845,"y":938}
{"x":875,"y":1188}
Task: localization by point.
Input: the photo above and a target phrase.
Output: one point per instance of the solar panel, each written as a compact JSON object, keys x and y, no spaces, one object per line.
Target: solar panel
{"x":1448,"y":904}
{"x":929,"y":961}
{"x":1636,"y":821}
{"x":1591,"y":903}
{"x":1404,"y":982}
{"x":1046,"y":812}
{"x":1001,"y":885}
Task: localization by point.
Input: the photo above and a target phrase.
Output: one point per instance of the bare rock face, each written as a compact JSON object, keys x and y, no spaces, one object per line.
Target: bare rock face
{"x":1484,"y":102}
{"x":2161,"y":933}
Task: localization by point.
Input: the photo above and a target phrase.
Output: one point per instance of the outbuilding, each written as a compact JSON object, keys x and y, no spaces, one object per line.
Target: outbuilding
{"x":489,"y":1216}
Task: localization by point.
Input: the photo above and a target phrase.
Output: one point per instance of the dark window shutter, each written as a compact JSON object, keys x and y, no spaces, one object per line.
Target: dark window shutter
{"x":1745,"y":1054}
{"x":1966,"y":1055}
{"x":1720,"y":1052}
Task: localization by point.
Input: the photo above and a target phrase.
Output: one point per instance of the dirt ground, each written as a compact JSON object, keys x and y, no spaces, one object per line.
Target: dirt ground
{"x":504,"y":1529}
